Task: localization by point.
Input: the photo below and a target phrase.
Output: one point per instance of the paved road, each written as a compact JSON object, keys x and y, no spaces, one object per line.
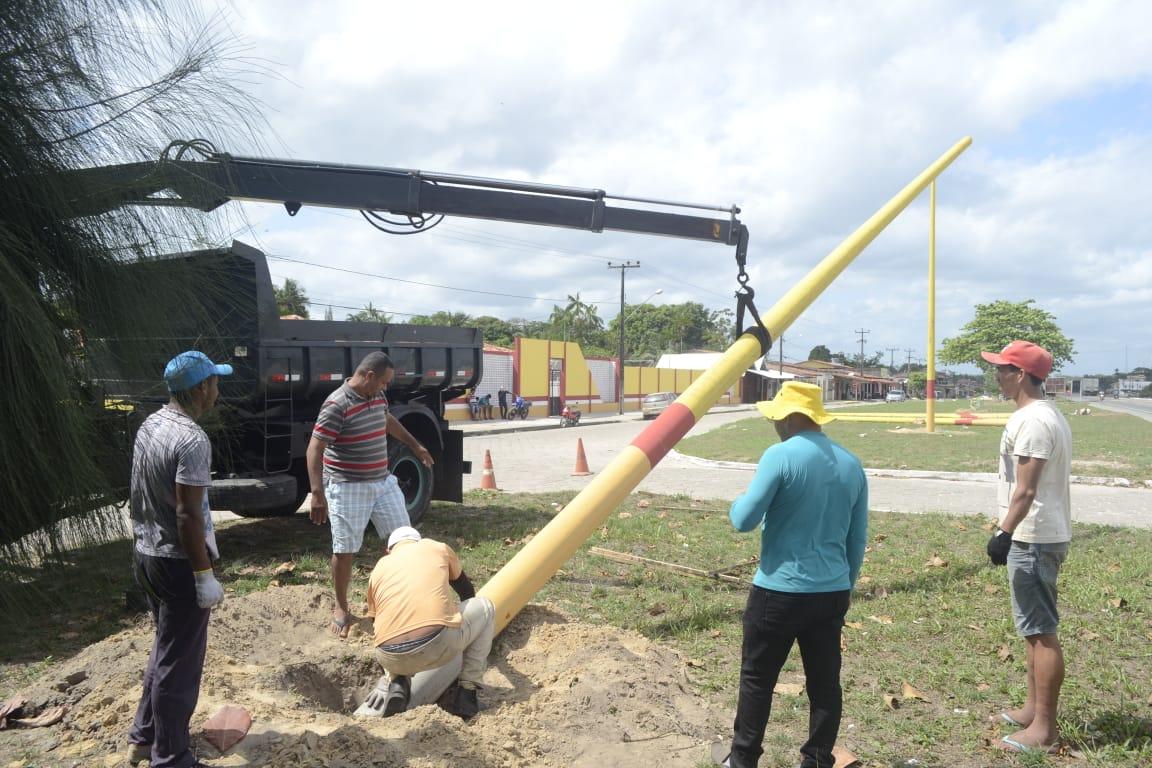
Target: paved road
{"x":1134,"y":406}
{"x":543,"y":459}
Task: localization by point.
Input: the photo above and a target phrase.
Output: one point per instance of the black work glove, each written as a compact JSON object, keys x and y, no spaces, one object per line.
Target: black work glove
{"x":998,"y":547}
{"x":463,"y":587}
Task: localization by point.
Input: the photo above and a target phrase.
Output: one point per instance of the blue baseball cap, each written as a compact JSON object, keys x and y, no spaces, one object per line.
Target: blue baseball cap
{"x":188,"y":369}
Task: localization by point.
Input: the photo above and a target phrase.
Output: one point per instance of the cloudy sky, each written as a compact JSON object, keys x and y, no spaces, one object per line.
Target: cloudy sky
{"x":809,"y":116}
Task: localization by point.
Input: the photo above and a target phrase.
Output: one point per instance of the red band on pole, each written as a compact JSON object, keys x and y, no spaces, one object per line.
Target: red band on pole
{"x":665,"y":432}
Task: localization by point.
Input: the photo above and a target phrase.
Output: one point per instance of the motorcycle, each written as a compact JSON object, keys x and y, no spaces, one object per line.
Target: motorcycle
{"x":519,"y":409}
{"x":569,"y":417}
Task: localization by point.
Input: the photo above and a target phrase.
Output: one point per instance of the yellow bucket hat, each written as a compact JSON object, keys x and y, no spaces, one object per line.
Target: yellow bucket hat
{"x":796,"y":397}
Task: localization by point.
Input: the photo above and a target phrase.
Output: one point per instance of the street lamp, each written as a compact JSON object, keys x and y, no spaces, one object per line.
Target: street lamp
{"x":620,"y":372}
{"x":620,"y":385}
{"x":656,"y":292}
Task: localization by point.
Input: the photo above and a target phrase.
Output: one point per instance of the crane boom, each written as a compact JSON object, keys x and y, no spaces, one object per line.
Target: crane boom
{"x":216,"y":178}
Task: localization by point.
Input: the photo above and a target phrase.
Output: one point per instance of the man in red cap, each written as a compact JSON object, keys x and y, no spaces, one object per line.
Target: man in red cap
{"x":1035,"y":528}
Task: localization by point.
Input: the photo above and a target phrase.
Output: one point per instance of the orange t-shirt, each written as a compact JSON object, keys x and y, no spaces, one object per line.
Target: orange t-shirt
{"x":409,"y":589}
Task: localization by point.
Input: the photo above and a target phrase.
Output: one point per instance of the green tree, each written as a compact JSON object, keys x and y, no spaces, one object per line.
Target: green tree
{"x":874,"y":360}
{"x":86,"y":83}
{"x":578,"y":321}
{"x":370,"y":315}
{"x":651,"y":330}
{"x":496,"y":331}
{"x":999,"y":322}
{"x":291,"y":299}
{"x":528,"y":329}
{"x":646,"y":332}
{"x":820,"y":352}
{"x":443,"y":317}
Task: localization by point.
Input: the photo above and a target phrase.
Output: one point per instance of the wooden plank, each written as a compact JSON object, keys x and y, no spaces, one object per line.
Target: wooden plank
{"x":691,"y":509}
{"x":624,"y":557}
{"x":734,"y":566}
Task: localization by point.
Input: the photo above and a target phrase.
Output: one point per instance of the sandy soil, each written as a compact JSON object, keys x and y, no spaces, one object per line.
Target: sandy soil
{"x":557,"y":693}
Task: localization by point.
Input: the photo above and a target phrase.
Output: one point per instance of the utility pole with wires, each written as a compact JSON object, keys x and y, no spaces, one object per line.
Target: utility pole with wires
{"x":620,"y":367}
{"x":892,"y":358}
{"x":863,"y":332}
{"x":908,"y":364}
{"x":859,"y":384}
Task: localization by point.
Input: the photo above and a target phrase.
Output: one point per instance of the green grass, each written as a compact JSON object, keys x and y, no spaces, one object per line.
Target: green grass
{"x":940,"y":624}
{"x":1103,"y":444}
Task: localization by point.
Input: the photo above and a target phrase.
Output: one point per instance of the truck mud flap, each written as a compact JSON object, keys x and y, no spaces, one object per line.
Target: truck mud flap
{"x":451,"y":468}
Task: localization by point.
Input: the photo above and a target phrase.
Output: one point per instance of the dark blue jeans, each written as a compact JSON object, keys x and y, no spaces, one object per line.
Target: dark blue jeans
{"x":773,"y":621}
{"x":172,"y":677}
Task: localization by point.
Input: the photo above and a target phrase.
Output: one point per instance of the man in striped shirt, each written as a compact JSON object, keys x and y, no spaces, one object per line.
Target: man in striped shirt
{"x":348,"y":470}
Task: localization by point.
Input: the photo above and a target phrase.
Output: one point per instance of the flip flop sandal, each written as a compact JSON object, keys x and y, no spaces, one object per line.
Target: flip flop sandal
{"x":341,"y":627}
{"x":1024,"y":749}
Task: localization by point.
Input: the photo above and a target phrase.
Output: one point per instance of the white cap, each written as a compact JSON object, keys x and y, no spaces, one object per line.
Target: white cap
{"x":403,"y":533}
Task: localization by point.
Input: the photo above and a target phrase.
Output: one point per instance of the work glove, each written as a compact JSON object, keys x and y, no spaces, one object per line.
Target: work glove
{"x":463,"y":586}
{"x":998,"y":547}
{"x":208,"y":590}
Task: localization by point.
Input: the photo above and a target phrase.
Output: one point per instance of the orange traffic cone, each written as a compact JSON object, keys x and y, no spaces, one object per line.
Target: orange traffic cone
{"x":487,"y":477}
{"x":581,"y":461}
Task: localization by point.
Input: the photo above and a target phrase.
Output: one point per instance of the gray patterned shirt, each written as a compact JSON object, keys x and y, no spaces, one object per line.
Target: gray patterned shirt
{"x":170,"y":448}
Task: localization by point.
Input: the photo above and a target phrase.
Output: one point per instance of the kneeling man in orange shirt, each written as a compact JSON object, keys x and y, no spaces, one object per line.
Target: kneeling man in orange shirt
{"x":419,"y":625}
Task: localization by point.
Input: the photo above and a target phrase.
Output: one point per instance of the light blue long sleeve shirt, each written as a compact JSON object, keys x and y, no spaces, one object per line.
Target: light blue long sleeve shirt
{"x":811,"y":496}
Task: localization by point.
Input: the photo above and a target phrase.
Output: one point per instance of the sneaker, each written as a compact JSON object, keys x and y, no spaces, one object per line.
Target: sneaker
{"x":399,"y":691}
{"x":138,"y":752}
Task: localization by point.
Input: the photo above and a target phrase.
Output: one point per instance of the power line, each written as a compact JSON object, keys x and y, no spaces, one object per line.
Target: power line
{"x":514,"y":243}
{"x":420,"y":283}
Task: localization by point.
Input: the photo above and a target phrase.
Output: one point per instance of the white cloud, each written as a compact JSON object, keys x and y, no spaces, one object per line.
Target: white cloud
{"x":808,"y":117}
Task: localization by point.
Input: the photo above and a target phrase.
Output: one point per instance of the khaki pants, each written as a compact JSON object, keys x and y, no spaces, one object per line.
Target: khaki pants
{"x":473,"y":639}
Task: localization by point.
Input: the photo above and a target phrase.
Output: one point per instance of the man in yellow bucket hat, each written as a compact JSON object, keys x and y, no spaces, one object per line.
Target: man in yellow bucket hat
{"x":811,"y":498}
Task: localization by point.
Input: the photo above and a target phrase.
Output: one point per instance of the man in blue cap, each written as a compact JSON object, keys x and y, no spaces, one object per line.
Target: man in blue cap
{"x":175,"y":546}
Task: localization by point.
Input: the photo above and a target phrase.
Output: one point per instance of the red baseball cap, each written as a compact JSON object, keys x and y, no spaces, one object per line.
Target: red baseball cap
{"x":1028,"y":357}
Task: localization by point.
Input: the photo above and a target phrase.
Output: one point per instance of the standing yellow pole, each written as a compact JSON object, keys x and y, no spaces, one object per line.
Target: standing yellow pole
{"x":930,"y":394}
{"x":513,"y":586}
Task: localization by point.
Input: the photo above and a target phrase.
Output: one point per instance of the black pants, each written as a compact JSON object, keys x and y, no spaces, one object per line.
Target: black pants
{"x":772,"y":622}
{"x":172,"y":677}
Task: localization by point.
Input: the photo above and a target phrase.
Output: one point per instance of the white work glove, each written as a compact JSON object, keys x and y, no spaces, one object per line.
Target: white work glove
{"x":377,"y":700}
{"x":208,"y":590}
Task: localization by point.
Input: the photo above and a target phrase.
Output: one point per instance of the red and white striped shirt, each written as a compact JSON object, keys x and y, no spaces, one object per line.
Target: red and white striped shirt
{"x":356,"y":431}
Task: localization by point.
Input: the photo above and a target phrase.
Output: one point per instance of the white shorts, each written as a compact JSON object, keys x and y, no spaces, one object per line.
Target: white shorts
{"x":352,"y":505}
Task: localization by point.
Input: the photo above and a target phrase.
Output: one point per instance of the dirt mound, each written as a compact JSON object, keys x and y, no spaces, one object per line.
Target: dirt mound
{"x":557,"y":694}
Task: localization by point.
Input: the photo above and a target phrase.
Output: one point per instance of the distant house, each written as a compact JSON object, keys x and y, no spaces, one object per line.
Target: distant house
{"x":843,"y":382}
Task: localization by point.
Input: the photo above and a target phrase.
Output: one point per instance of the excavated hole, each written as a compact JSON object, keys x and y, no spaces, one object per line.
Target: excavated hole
{"x":337,"y":686}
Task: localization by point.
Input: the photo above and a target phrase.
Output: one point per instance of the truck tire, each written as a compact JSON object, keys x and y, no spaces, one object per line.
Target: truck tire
{"x":268,"y":496}
{"x":414,"y":478}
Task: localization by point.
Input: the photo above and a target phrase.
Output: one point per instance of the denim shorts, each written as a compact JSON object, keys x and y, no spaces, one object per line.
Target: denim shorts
{"x":1032,"y":573}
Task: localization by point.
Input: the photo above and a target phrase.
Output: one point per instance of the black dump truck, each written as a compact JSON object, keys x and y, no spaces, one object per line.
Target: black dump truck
{"x":283,"y":369}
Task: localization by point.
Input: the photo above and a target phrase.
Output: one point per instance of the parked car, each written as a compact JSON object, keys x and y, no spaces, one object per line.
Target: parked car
{"x":654,"y":404}
{"x":895,"y":396}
